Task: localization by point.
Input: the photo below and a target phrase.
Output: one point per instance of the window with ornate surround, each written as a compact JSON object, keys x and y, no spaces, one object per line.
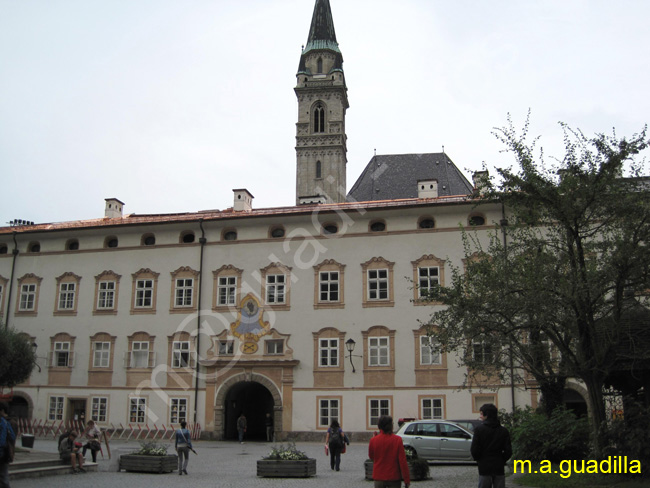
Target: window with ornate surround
{"x":178,"y":409}
{"x":428,"y":271}
{"x":276,"y":286}
{"x":61,"y":351}
{"x":378,"y":283}
{"x":99,"y":409}
{"x":28,"y":290}
{"x":480,"y":399}
{"x":378,"y":406}
{"x":137,"y":410}
{"x":329,"y":409}
{"x":227,"y":286}
{"x":143,"y":297}
{"x":100,"y":364}
{"x":432,"y":407}
{"x":379,"y":356}
{"x":329,"y":355}
{"x":430,"y":365}
{"x":67,"y":294}
{"x":184,"y":285}
{"x":329,"y":285}
{"x":141,"y":353}
{"x":55,"y":411}
{"x":107,"y":287}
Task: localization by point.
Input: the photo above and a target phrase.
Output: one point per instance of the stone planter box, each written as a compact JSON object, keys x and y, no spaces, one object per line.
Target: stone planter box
{"x":273,"y":468}
{"x":368,"y":468}
{"x":148,"y":464}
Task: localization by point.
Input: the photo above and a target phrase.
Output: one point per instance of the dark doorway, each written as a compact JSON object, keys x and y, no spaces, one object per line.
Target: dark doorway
{"x":255,"y":401}
{"x":574,"y":402}
{"x":19,"y":408}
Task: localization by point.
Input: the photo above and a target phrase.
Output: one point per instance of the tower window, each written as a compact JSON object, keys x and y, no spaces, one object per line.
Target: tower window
{"x":319,"y":172}
{"x":319,"y":119}
{"x":319,"y":66}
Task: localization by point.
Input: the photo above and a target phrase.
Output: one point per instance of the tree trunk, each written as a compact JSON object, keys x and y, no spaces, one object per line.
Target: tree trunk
{"x":552,"y":394}
{"x":598,"y":416}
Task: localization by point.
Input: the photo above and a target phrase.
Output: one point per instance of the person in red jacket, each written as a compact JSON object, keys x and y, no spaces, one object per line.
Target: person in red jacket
{"x":386,"y":451}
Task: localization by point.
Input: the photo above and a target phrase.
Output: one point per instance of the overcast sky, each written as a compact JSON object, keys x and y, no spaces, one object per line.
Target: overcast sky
{"x":170,"y":104}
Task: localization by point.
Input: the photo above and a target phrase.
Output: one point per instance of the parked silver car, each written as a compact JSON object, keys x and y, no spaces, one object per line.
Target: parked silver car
{"x":439,"y":440}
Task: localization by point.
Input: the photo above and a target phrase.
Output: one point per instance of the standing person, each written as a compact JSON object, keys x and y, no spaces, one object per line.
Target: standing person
{"x":334,"y":442}
{"x":7,"y":439}
{"x":491,"y":448}
{"x":69,"y":451}
{"x":389,"y":459}
{"x":269,"y":427}
{"x":241,"y":427}
{"x":92,"y":434}
{"x":183,"y":445}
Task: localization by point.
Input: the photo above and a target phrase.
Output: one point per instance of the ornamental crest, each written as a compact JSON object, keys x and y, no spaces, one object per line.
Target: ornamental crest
{"x":250,"y":325}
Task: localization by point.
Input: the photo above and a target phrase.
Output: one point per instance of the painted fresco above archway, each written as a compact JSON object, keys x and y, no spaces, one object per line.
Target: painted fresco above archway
{"x":250,"y":325}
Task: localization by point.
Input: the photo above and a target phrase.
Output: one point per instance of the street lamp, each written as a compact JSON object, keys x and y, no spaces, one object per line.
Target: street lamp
{"x":349,"y":345}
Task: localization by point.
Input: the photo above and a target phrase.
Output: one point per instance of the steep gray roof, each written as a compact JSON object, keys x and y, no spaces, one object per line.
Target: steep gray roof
{"x":395,"y":176}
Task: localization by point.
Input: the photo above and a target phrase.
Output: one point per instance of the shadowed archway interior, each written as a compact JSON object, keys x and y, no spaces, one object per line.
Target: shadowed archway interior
{"x":255,"y":401}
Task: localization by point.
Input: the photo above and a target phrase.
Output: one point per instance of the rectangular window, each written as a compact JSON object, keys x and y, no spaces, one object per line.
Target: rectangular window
{"x":178,"y":411}
{"x":144,"y":294}
{"x":328,"y":352}
{"x":137,"y":410}
{"x":106,"y":295}
{"x":66,"y":296}
{"x":61,"y":356}
{"x":482,"y":352}
{"x":27,"y":297}
{"x":378,"y":351}
{"x":431,"y":408}
{"x":139,"y":355}
{"x":328,"y":410}
{"x":180,"y":354}
{"x":227,"y":290}
{"x":55,"y":411}
{"x":226,"y":347}
{"x":184,"y":289}
{"x":377,"y":408}
{"x":101,"y":354}
{"x":428,"y":353}
{"x":377,"y":284}
{"x":428,"y":277}
{"x":329,"y":286}
{"x":274,"y":347}
{"x":98,"y":409}
{"x":275,"y":288}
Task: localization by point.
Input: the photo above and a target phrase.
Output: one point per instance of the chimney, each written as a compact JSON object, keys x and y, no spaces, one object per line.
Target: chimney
{"x":243,"y":200}
{"x":481,"y":181}
{"x":428,"y":189}
{"x":113,"y":208}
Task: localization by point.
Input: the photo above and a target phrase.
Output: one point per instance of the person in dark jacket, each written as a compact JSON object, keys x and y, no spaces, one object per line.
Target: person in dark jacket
{"x":491,"y":448}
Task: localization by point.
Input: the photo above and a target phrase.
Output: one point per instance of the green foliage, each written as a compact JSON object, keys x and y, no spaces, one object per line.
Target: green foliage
{"x":418,"y":466}
{"x":536,"y":437}
{"x":17,"y":357}
{"x":629,"y":436}
{"x":151,"y":449}
{"x":286,"y":453}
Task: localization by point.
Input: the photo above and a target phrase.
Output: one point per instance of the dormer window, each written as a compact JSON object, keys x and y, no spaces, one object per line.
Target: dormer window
{"x":319,"y":119}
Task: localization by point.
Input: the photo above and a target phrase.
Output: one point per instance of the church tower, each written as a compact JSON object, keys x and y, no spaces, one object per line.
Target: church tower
{"x":321,"y":151}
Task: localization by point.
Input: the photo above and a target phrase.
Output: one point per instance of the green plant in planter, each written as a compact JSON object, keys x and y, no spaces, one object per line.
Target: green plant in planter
{"x":286,"y":453}
{"x":151,"y":449}
{"x":419,"y":467}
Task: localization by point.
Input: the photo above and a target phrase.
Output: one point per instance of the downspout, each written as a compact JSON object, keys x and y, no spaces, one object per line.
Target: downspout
{"x":504,"y":226}
{"x":202,"y":240}
{"x":11,"y":279}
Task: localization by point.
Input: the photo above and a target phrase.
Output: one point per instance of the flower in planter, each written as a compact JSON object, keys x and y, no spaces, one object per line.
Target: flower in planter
{"x":419,"y":467}
{"x":151,"y":449}
{"x":288,"y":453}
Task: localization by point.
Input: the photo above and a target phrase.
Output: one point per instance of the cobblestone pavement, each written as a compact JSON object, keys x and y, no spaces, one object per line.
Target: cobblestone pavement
{"x":230,"y":464}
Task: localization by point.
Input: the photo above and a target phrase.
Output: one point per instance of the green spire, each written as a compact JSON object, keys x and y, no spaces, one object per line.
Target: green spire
{"x":321,"y":32}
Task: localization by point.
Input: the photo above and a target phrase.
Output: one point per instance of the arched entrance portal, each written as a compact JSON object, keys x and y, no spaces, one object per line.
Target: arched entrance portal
{"x":255,"y":401}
